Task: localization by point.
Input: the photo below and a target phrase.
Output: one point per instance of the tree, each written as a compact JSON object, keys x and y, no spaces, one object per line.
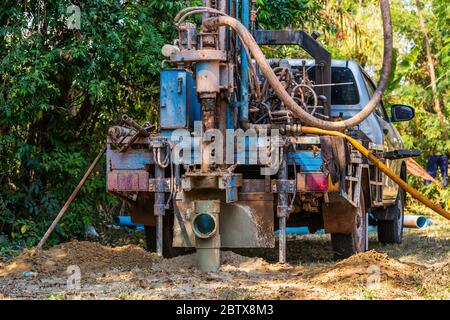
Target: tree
{"x":60,"y":88}
{"x":430,"y":65}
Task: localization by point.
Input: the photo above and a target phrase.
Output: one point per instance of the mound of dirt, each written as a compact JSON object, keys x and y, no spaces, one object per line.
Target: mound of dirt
{"x":235,"y":262}
{"x":358,"y":268}
{"x":131,"y":272}
{"x":91,"y":257}
{"x":230,"y":261}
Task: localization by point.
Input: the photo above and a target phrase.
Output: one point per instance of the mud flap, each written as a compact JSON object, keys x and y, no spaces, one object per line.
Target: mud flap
{"x":338,"y":216}
{"x":338,"y":213}
{"x":142,"y":209}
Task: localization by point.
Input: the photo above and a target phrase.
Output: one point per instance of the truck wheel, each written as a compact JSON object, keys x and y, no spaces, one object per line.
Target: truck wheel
{"x":345,"y":245}
{"x":150,"y":238}
{"x":391,"y":231}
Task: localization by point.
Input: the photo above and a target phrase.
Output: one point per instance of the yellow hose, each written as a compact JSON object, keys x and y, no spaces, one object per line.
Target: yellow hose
{"x":413,"y":192}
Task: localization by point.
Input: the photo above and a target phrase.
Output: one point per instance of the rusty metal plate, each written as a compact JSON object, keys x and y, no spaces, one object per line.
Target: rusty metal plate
{"x":142,"y":209}
{"x":128,"y":181}
{"x":199,"y":182}
{"x":253,"y":185}
{"x":154,"y":186}
{"x":339,"y":216}
{"x":242,"y":224}
{"x":287,"y":186}
{"x":247,"y":224}
{"x":199,"y":55}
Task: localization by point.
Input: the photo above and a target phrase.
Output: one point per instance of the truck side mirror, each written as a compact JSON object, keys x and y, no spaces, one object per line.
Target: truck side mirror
{"x":401,"y":112}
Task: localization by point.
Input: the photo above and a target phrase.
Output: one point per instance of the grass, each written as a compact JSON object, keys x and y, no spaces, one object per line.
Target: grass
{"x":428,"y":245}
{"x":235,"y":294}
{"x":56,"y":296}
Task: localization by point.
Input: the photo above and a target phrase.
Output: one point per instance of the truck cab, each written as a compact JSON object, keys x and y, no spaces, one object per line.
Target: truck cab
{"x":350,"y":98}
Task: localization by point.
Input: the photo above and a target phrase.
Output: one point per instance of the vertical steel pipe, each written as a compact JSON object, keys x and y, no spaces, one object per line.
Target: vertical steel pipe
{"x":282,"y":241}
{"x":283,"y":208}
{"x":245,"y":16}
{"x":159,"y":206}
{"x":159,"y":235}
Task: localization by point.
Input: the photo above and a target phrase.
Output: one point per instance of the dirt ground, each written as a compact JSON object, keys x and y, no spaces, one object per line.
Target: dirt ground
{"x":417,"y":269}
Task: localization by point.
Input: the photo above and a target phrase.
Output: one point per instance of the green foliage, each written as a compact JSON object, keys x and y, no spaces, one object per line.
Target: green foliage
{"x":59,"y":90}
{"x":296,"y":14}
{"x":411,"y":84}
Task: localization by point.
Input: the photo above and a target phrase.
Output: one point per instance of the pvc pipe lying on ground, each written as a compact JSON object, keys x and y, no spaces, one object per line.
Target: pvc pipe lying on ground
{"x":410,"y":221}
{"x":125,"y":221}
{"x":305,"y":230}
{"x":415,"y":221}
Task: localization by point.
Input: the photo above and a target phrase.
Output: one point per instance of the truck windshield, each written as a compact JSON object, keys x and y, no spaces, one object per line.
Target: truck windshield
{"x":341,"y":95}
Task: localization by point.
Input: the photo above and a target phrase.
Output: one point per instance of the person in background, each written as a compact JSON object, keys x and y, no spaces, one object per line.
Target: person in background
{"x":436,"y":162}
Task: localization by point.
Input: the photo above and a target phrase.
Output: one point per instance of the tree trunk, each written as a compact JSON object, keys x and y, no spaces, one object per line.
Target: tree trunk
{"x":430,"y":64}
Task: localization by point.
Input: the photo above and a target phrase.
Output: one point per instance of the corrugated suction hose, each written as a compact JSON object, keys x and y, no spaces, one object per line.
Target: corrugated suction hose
{"x":248,"y":40}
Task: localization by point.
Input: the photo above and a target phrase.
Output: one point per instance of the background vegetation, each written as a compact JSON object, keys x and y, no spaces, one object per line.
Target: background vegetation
{"x":61,"y":88}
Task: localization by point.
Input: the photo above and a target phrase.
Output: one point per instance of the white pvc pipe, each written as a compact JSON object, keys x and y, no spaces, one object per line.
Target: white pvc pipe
{"x":415,"y":221}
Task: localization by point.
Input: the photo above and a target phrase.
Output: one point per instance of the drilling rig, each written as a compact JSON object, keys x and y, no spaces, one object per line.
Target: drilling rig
{"x":246,"y":145}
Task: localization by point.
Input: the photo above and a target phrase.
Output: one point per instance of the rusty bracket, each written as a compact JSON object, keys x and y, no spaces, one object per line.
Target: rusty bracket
{"x":283,"y":211}
{"x":354,"y":187}
{"x":283,"y":186}
{"x":158,"y":142}
{"x":230,"y":183}
{"x":158,"y":185}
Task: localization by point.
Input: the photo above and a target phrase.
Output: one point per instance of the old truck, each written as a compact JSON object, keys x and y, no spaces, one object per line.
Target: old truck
{"x":231,"y":160}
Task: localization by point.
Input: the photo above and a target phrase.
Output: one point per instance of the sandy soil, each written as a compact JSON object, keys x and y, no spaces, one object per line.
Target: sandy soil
{"x":417,"y":269}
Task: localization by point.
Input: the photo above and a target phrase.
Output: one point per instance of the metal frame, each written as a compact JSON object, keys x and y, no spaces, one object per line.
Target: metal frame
{"x":320,"y":54}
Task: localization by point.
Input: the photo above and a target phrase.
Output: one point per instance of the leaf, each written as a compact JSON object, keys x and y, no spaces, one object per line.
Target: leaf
{"x":23,"y":229}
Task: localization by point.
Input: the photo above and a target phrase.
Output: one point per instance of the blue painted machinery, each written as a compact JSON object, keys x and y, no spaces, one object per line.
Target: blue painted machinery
{"x":227,"y":164}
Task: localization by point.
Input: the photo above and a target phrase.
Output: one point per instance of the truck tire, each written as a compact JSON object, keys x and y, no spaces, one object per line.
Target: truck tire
{"x":150,"y":238}
{"x":391,"y":231}
{"x":345,"y":245}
